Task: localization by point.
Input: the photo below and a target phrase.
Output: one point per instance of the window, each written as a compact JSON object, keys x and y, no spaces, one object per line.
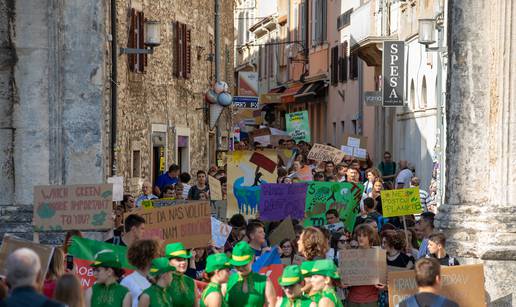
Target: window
{"x":423,"y":94}
{"x":343,"y":62}
{"x":303,"y":22}
{"x":344,"y":20}
{"x":353,"y":66}
{"x":334,"y":133}
{"x":335,"y":65}
{"x":342,"y":127}
{"x":137,"y":62}
{"x":412,"y":95}
{"x":182,"y":50}
{"x":136,"y":171}
{"x":319,"y":13}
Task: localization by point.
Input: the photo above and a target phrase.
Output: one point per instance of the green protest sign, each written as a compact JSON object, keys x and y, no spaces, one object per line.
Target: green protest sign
{"x":401,"y":202}
{"x":342,"y":196}
{"x":297,"y":126}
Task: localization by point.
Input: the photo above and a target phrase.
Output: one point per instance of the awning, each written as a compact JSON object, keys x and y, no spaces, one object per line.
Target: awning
{"x":273,"y":96}
{"x":288,"y":94}
{"x":309,"y":91}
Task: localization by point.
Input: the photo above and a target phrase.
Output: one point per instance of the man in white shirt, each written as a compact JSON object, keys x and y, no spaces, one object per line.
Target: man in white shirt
{"x":404,"y":176}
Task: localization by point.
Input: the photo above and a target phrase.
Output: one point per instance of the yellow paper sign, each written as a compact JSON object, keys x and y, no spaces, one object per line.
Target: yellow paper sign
{"x":401,"y":202}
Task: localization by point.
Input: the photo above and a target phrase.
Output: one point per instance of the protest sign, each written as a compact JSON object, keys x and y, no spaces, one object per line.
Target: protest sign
{"x":278,"y":201}
{"x":218,"y":209}
{"x":357,"y":141}
{"x":463,"y":284}
{"x":343,"y":196}
{"x":11,"y":243}
{"x":285,"y":230}
{"x":363,"y":266}
{"x":219,"y":232}
{"x":247,"y":171}
{"x":215,"y":188}
{"x":274,"y":272}
{"x":118,"y":187}
{"x":73,"y":207}
{"x":162,"y":202}
{"x":189,"y":223}
{"x":401,"y":202}
{"x":297,"y":126}
{"x":320,"y":152}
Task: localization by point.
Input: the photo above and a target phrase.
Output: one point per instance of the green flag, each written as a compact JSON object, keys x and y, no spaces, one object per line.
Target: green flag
{"x":86,"y":249}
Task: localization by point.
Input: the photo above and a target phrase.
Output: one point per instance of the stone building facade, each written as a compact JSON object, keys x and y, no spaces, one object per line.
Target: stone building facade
{"x":55,"y":96}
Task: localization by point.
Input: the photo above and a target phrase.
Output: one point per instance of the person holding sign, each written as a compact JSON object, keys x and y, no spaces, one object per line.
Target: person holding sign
{"x":247,"y":288}
{"x":106,"y":291}
{"x":156,"y":295}
{"x":324,"y":277}
{"x":291,"y":281}
{"x":428,"y":279}
{"x":217,"y":271}
{"x":182,"y":287}
{"x":367,"y":295}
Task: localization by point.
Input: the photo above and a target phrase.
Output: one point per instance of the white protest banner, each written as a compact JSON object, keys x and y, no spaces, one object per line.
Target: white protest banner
{"x":363,"y":266}
{"x":118,"y":187}
{"x":219,"y":232}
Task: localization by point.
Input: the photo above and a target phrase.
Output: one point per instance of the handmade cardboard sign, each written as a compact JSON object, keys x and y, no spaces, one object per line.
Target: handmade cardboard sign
{"x":189,"y":223}
{"x":247,"y":171}
{"x":278,"y":201}
{"x":11,"y":243}
{"x":320,"y":152}
{"x":463,"y":284}
{"x":401,"y":202}
{"x":285,"y":230}
{"x":219,"y":232}
{"x":73,"y":207}
{"x":298,"y":126}
{"x":323,"y":196}
{"x":363,"y":266}
{"x":215,"y":188}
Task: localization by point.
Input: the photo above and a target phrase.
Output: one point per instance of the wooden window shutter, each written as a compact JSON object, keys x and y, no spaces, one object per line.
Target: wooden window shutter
{"x":334,"y":65}
{"x":343,"y":69}
{"x":132,"y":40}
{"x":187,"y":52}
{"x":177,"y":49}
{"x":142,"y":60}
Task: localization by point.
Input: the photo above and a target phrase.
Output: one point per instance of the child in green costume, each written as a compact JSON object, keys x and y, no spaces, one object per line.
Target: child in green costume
{"x":217,"y":270}
{"x":156,"y":295}
{"x":324,"y":276}
{"x":182,"y":288}
{"x":292,"y":282}
{"x":107,"y":291}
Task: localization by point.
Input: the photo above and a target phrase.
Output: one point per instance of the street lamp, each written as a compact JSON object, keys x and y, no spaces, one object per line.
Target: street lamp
{"x":427,"y":28}
{"x":152,"y":39}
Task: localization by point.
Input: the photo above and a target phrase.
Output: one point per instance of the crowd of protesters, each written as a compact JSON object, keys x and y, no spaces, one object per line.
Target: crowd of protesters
{"x":166,"y":275}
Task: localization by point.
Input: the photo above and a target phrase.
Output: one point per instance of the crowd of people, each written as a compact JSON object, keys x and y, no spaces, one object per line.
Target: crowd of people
{"x":167,"y":275}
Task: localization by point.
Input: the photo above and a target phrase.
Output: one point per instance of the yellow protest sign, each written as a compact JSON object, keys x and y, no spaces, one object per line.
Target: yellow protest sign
{"x":401,"y":202}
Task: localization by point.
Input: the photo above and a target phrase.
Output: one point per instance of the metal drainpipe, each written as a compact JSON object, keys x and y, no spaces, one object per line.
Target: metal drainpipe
{"x":217,"y":69}
{"x":114,"y":87}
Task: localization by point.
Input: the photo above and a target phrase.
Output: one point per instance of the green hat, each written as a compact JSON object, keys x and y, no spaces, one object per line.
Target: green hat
{"x":217,"y":262}
{"x":291,"y":276}
{"x":106,"y":259}
{"x":242,"y":254}
{"x":177,"y":250}
{"x":325,"y":267}
{"x":306,"y":267}
{"x":160,"y":266}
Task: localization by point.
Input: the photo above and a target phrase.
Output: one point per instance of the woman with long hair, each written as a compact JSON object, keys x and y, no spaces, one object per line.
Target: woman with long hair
{"x":394,"y":243}
{"x":197,"y":263}
{"x":217,"y":273}
{"x":313,"y":244}
{"x":287,"y":252}
{"x":107,"y":291}
{"x":156,"y":294}
{"x":68,"y":291}
{"x":55,"y":270}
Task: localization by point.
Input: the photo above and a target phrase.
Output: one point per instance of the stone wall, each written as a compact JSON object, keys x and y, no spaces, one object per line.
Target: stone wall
{"x":157,"y":98}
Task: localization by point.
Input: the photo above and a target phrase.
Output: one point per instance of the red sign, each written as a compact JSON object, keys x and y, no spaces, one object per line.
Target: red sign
{"x":274,"y":272}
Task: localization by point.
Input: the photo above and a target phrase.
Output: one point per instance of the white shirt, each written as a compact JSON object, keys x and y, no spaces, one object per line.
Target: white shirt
{"x":136,"y":283}
{"x":186,"y":189}
{"x":403,"y":179}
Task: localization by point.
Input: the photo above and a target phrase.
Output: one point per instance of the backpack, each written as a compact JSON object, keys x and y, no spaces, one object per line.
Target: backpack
{"x":412,"y":302}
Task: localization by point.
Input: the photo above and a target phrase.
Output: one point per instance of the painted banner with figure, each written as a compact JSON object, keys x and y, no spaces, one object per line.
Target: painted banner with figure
{"x":297,"y":126}
{"x":247,"y":171}
{"x":73,"y":207}
{"x":463,"y":284}
{"x":279,"y":201}
{"x":323,"y":196}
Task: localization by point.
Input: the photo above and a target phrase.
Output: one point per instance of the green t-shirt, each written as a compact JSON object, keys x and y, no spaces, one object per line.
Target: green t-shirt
{"x":387,"y":169}
{"x":210,"y":288}
{"x":255,"y":295}
{"x":112,"y":295}
{"x":182,"y":291}
{"x":302,"y":301}
{"x":158,"y":296}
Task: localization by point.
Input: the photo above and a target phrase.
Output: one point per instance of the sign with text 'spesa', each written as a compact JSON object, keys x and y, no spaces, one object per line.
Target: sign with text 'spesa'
{"x":393,"y":73}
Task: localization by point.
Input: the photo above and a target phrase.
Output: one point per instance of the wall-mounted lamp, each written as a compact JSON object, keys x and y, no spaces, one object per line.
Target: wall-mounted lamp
{"x":427,"y":28}
{"x":152,"y":39}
